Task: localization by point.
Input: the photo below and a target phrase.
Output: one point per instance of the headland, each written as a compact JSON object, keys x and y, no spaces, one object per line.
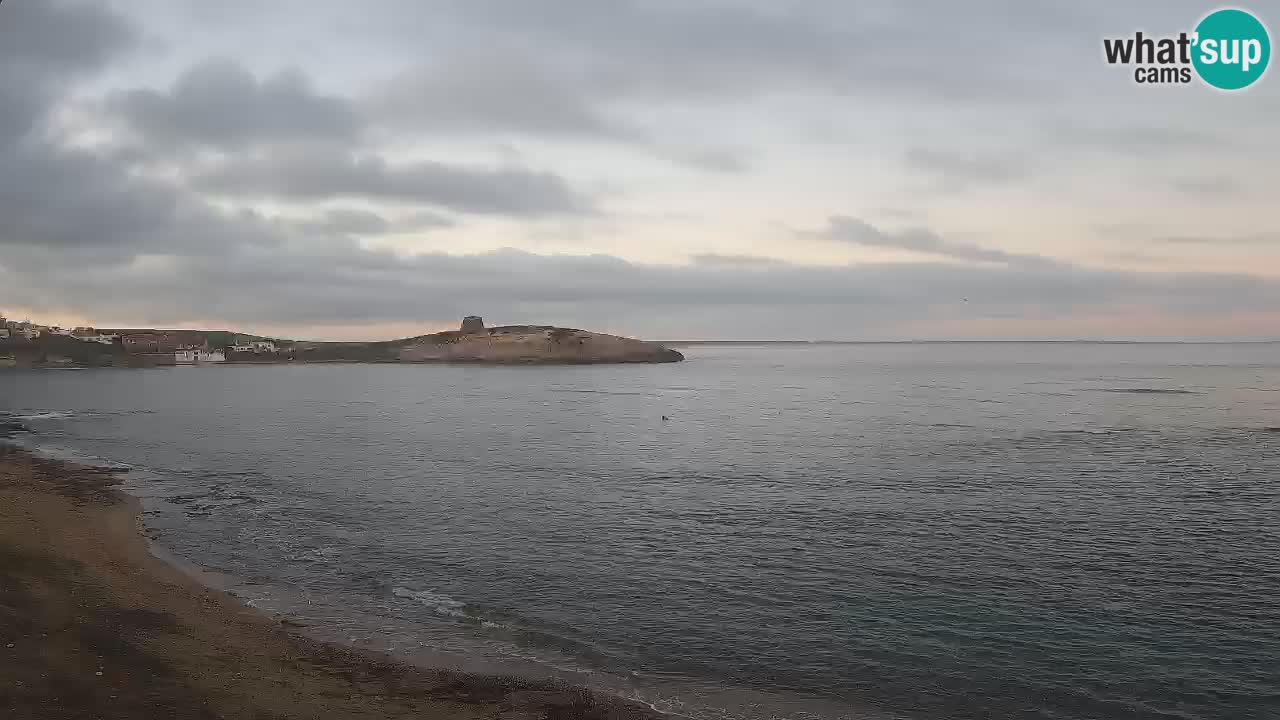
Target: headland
{"x":35,"y":346}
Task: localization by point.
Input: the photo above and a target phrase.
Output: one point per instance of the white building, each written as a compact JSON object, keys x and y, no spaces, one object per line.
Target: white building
{"x":192,"y":356}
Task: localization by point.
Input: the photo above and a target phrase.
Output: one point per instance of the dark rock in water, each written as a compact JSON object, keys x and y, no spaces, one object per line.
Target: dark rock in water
{"x":1271,"y":430}
{"x":669,"y":355}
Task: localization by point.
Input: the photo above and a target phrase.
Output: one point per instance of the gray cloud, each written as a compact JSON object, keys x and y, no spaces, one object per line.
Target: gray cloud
{"x":926,"y":242}
{"x":1153,"y":140}
{"x":575,"y":69}
{"x":53,"y":38}
{"x":61,"y":206}
{"x":233,"y":270}
{"x":318,"y":174}
{"x":365,"y":222}
{"x":479,"y":91}
{"x":721,"y":160}
{"x":220,"y":103}
{"x":353,"y":222}
{"x":72,"y":207}
{"x":1207,"y":187}
{"x":338,"y":283}
{"x":717,"y":260}
{"x":506,"y":90}
{"x":1238,"y":240}
{"x":960,"y":171}
{"x":21,"y":104}
{"x":286,"y":140}
{"x":665,"y":49}
{"x":658,"y":50}
{"x":161,"y":251}
{"x":42,"y":46}
{"x":898,"y":213}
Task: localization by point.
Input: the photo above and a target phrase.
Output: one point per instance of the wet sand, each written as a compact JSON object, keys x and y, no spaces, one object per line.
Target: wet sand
{"x":93,"y":626}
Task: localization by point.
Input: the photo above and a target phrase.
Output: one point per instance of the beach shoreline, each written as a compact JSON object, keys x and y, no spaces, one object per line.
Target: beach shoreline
{"x":94,"y":624}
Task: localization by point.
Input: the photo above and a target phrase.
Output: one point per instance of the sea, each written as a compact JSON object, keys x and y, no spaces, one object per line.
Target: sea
{"x":912,"y":530}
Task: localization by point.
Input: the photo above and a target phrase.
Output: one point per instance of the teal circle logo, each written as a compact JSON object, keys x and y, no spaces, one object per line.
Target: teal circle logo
{"x":1232,"y":49}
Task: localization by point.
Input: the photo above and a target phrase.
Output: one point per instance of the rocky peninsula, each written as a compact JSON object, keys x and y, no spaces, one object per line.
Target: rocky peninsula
{"x":505,"y":345}
{"x":473,"y":342}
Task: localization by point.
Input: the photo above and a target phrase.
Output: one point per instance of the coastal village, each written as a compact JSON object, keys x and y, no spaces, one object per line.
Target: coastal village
{"x":55,"y":346}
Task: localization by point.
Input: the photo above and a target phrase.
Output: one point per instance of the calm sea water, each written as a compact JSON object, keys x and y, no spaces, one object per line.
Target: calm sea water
{"x":915,"y":531}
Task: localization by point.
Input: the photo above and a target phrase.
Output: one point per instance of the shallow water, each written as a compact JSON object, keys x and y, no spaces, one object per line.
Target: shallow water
{"x":928,"y":531}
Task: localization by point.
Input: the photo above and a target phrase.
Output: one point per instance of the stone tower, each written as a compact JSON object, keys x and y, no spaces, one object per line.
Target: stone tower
{"x":473,"y":325}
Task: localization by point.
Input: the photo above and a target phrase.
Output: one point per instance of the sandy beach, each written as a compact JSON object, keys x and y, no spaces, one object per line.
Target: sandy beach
{"x":92,"y":625}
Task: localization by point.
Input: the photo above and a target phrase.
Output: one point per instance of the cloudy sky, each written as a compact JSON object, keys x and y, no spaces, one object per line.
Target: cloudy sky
{"x":664,"y":168}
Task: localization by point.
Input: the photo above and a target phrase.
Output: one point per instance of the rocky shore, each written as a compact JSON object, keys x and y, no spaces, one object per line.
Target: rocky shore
{"x":92,"y":625}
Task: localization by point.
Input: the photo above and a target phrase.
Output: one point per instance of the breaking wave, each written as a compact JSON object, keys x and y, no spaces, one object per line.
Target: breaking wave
{"x":440,"y":603}
{"x":37,"y":416}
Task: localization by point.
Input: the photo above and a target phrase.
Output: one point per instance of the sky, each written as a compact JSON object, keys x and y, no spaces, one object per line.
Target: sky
{"x":669,"y":169}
